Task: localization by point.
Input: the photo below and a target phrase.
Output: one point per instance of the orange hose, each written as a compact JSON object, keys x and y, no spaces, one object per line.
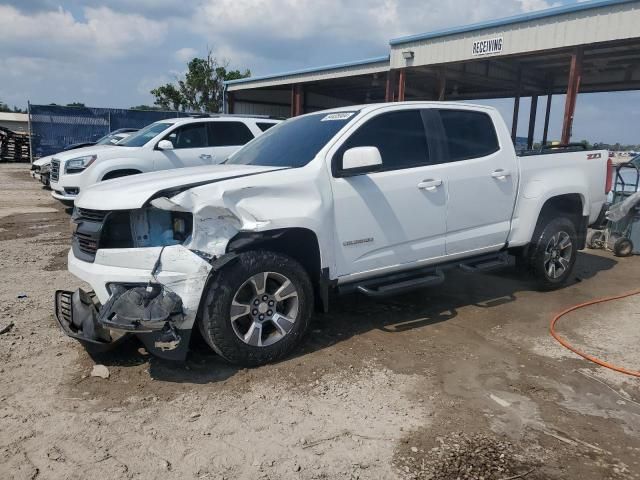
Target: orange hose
{"x":591,"y":358}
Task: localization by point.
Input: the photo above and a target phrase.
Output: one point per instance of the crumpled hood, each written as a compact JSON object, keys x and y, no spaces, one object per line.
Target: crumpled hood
{"x":132,"y":192}
{"x":102,"y":151}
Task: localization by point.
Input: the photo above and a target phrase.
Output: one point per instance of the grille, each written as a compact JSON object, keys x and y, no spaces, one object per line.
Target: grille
{"x":55,"y":170}
{"x":92,"y":215}
{"x":86,"y":243}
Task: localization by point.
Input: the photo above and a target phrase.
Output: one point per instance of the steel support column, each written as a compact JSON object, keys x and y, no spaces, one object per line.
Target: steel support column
{"x":230,"y":102}
{"x":573,"y":86}
{"x":532,"y":121}
{"x":442,"y":84}
{"x":516,"y":106}
{"x":390,"y":90}
{"x":547,"y":114}
{"x":402,"y":80}
{"x":297,"y":100}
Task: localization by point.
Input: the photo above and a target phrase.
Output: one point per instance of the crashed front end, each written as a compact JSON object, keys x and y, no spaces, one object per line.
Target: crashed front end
{"x":147,"y":268}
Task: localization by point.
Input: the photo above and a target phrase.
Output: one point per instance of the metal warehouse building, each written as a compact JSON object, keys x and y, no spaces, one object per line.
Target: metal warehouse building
{"x":587,"y":47}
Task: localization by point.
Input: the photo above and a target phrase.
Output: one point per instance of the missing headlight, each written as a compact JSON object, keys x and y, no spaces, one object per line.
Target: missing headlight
{"x":145,"y":227}
{"x":152,"y":227}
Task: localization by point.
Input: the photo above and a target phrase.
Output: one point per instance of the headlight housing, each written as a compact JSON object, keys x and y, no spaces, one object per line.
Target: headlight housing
{"x":76,"y":165}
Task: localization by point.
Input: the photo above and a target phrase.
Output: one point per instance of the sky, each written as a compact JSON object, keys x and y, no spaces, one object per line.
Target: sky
{"x":110,"y":53}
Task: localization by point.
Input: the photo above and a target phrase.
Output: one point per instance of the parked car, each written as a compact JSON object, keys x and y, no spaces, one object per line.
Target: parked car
{"x":377,"y":199}
{"x":112,"y":137}
{"x":167,"y":144}
{"x":41,"y":167}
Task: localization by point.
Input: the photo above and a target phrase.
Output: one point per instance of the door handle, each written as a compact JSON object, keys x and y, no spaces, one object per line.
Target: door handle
{"x":430,"y":184}
{"x":500,"y":174}
{"x":205,"y":156}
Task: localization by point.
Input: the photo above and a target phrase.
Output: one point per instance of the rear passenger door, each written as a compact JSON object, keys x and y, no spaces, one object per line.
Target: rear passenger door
{"x":481,"y":181}
{"x":225,"y":137}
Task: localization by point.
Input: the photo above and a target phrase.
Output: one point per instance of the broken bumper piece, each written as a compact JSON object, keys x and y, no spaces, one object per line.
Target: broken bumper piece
{"x":148,"y":312}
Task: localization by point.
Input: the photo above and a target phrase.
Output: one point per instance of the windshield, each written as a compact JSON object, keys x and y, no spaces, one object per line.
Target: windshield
{"x":293,"y":143}
{"x":110,"y":139}
{"x":141,"y":137}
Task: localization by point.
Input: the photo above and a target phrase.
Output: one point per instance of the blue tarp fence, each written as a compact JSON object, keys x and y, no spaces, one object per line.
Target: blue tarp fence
{"x":53,"y":127}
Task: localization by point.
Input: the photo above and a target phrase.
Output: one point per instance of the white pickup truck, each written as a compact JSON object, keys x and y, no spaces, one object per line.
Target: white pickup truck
{"x":377,"y":199}
{"x":166,"y":144}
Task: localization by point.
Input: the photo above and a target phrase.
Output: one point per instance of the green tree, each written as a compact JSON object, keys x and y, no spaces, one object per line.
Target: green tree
{"x":76,"y":104}
{"x":6,"y":108}
{"x":201,"y":89}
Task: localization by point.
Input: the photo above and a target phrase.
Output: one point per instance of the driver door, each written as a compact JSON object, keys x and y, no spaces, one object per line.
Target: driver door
{"x":396,"y":215}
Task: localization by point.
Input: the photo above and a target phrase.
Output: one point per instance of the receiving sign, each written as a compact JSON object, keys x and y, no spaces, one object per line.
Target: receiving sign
{"x":489,"y":46}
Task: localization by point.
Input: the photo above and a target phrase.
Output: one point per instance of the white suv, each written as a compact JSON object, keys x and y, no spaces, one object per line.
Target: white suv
{"x":163,"y":145}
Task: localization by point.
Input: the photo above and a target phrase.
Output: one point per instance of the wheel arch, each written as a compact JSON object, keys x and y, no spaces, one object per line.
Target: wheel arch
{"x":119,"y":172}
{"x":301,"y":244}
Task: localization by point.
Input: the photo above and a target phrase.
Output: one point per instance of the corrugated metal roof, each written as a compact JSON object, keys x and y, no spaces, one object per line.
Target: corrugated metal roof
{"x":551,"y":12}
{"x":325,"y":68}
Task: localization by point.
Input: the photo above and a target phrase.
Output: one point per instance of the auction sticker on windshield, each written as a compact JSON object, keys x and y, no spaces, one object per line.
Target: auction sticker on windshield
{"x":337,"y":116}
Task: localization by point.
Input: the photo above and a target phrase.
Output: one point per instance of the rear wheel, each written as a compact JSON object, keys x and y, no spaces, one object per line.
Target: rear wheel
{"x":257,"y":309}
{"x":552,"y":254}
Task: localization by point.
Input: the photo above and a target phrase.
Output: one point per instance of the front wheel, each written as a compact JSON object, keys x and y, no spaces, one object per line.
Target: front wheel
{"x":553,"y":253}
{"x":257,"y":309}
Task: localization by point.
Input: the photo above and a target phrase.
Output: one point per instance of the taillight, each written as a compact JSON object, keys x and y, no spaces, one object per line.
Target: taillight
{"x":609,"y":181}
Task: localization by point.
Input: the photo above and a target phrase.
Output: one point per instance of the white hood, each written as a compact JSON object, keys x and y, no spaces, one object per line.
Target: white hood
{"x":133,"y":191}
{"x":102,"y":151}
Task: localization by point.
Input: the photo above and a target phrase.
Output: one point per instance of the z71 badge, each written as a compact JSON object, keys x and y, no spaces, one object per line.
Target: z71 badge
{"x":593,"y":156}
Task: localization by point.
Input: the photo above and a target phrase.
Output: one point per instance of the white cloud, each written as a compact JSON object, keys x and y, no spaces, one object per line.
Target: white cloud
{"x":268,"y":30}
{"x":185,"y":54}
{"x":56,"y":33}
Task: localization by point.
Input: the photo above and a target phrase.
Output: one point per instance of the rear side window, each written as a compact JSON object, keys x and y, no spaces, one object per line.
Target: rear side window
{"x":399,"y":136}
{"x":264,"y":126}
{"x":228,"y":134}
{"x":469,"y":134}
{"x":193,"y":135}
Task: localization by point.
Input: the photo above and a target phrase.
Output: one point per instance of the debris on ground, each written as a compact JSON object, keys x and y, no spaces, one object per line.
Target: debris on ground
{"x":6,"y":328}
{"x":22,"y":295}
{"x":100,"y":371}
{"x":459,"y":456}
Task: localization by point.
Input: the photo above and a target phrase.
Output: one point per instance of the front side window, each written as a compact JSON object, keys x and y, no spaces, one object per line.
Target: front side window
{"x":264,"y":126}
{"x":141,"y":137}
{"x":399,"y":136}
{"x":193,"y":135}
{"x":469,"y":134}
{"x":228,"y":134}
{"x":293,"y":143}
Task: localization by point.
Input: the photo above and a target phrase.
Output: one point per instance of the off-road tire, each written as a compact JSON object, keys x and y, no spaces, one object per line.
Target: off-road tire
{"x":215,"y":318}
{"x":545,"y":231}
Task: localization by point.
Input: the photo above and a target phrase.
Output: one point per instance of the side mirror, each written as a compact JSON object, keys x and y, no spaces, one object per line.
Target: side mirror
{"x":360,"y":160}
{"x":165,"y":145}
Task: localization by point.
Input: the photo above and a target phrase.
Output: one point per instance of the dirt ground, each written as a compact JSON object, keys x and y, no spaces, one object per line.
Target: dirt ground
{"x":457,"y":381}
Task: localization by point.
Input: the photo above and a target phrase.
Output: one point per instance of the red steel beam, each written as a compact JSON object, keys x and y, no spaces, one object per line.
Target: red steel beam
{"x":575,"y":75}
{"x":402,"y":80}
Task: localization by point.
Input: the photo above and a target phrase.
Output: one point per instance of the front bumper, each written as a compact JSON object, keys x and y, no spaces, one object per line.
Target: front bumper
{"x":62,"y":195}
{"x":114,"y":271}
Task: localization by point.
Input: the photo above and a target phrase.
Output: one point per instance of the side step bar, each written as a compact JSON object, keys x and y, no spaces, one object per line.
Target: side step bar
{"x":402,"y":282}
{"x":402,"y":286}
{"x":484,"y":264}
